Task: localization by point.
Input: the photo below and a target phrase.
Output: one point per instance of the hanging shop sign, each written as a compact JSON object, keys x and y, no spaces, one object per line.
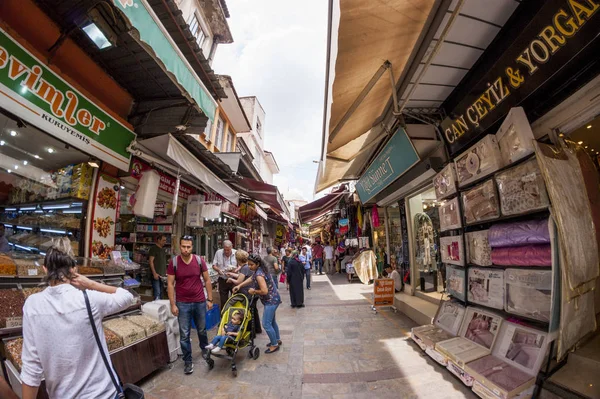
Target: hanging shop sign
{"x":231,"y":209}
{"x":168,"y":183}
{"x":398,"y":156}
{"x":104,"y":216}
{"x":35,"y":93}
{"x":551,"y":39}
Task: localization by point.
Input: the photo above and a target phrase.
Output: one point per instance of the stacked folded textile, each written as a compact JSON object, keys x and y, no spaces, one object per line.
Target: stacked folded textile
{"x":522,"y":189}
{"x":481,"y":203}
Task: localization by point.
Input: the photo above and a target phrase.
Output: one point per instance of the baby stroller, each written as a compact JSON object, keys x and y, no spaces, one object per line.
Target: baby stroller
{"x":237,"y":303}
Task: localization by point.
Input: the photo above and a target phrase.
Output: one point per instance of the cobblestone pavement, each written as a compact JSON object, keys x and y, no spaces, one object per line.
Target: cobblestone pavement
{"x":335,"y":347}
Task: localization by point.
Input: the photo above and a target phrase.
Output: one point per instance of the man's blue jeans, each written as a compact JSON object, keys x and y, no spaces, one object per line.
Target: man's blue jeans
{"x":318,"y":265}
{"x":219,"y":340}
{"x":157,"y":288}
{"x":307,"y":275}
{"x":275,"y":278}
{"x":270,"y":324}
{"x":187,"y":312}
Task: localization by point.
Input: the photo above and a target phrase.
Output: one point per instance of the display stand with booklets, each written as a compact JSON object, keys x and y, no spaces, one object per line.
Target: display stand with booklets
{"x":515,"y":361}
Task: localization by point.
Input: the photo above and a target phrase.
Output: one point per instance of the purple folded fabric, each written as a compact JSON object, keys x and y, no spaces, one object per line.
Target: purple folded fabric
{"x":519,"y":233}
{"x":530,"y":255}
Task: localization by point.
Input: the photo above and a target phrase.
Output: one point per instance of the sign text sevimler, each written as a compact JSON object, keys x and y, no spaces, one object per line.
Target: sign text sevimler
{"x":550,"y":40}
{"x":33,"y":92}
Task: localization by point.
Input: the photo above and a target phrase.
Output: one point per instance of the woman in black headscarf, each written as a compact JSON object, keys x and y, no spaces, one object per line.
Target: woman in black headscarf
{"x":295,"y":277}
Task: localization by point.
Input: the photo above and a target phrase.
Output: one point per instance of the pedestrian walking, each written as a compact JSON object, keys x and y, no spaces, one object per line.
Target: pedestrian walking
{"x":328,"y":252}
{"x":223,"y":262}
{"x":295,"y":274}
{"x":269,"y":296}
{"x":157,"y":257}
{"x":187,"y":276}
{"x":273,"y":265}
{"x":238,"y":278}
{"x":58,"y":340}
{"x":305,"y":259}
{"x":317,"y":257}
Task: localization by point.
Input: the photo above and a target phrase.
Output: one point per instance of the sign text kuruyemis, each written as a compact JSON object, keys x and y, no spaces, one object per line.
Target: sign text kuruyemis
{"x":33,"y":92}
{"x":556,"y":34}
{"x":395,"y":159}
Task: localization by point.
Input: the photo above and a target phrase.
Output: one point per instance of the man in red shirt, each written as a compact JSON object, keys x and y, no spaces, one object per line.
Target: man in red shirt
{"x":317,"y":255}
{"x":188,"y":302}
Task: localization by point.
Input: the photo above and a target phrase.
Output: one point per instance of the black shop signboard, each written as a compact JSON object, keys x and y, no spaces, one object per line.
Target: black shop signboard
{"x":552,"y":38}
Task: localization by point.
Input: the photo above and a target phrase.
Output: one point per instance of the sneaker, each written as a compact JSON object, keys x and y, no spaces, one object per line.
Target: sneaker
{"x":209,"y":347}
{"x":188,"y":368}
{"x":216,"y":350}
{"x":308,"y":288}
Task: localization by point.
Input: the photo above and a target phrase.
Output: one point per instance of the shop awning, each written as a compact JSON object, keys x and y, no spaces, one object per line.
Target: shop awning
{"x":320,"y":207}
{"x":260,"y":191}
{"x":151,"y":31}
{"x":430,"y":46}
{"x":168,"y":148}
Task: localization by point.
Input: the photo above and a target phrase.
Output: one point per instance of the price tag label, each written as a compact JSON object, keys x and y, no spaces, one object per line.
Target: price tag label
{"x":32,"y":272}
{"x":14,"y":322}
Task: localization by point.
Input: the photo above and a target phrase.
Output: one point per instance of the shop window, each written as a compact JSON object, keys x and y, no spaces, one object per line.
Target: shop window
{"x":196,"y":29}
{"x":425,"y":224}
{"x":207,"y":129}
{"x":219,"y":136}
{"x":44,"y":190}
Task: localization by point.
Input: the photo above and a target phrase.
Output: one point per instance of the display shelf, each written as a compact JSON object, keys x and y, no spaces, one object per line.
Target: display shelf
{"x":485,"y":224}
{"x":73,"y":202}
{"x":509,"y":267}
{"x":43,"y":229}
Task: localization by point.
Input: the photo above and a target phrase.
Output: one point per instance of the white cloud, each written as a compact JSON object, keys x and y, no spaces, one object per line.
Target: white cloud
{"x":278,"y":55}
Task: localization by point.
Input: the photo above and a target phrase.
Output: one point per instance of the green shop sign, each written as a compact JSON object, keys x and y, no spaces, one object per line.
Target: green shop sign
{"x":33,"y":92}
{"x":152,"y":32}
{"x":397,"y":157}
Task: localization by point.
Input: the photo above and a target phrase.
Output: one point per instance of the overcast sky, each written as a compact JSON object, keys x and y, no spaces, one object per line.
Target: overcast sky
{"x":278,"y":55}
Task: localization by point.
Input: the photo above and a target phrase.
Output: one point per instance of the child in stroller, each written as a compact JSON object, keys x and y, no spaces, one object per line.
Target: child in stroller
{"x":230,"y":330}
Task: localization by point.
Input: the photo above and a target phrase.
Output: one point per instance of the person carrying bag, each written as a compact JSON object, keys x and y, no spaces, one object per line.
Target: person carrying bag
{"x":127,"y":391}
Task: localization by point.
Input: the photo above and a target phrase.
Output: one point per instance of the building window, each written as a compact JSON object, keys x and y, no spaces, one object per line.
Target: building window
{"x":230,"y":140}
{"x":208,"y":129}
{"x":196,"y":29}
{"x":258,"y":127}
{"x":219,"y":137}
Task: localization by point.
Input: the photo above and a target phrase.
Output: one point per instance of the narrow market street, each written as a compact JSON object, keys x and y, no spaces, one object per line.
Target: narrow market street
{"x":335,"y":347}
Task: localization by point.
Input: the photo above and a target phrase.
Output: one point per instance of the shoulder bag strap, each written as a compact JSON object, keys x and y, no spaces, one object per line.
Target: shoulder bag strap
{"x":104,"y":359}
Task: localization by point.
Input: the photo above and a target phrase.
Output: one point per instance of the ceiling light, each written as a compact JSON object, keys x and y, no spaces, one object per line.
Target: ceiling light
{"x":561,"y":135}
{"x":580,"y":142}
{"x":36,"y":156}
{"x":99,"y":31}
{"x":586,"y":146}
{"x":16,"y":167}
{"x":9,"y":171}
{"x":93,"y":163}
{"x":122,"y":187}
{"x":2,"y":142}
{"x":25,"y":162}
{"x":589,"y":126}
{"x":23,"y":89}
{"x":13,"y":133}
{"x":50,"y":150}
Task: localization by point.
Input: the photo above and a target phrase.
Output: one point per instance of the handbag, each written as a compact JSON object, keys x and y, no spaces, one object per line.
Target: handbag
{"x":127,"y":391}
{"x":282,"y":278}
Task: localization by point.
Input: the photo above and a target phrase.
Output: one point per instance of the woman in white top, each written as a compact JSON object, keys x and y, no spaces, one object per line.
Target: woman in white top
{"x":58,"y":341}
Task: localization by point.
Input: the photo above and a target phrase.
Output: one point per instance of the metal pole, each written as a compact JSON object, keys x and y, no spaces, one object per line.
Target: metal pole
{"x":363,"y":94}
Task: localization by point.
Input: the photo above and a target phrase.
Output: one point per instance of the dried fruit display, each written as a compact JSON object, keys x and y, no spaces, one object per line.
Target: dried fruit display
{"x":14,"y":348}
{"x":113,"y":341}
{"x":128,"y":331}
{"x":11,"y":311}
{"x":7,"y":266}
{"x":103,"y":226}
{"x":89,"y":271}
{"x":150,"y":325}
{"x":29,"y":268}
{"x":27,"y":292}
{"x":107,"y":198}
{"x":113,"y":269}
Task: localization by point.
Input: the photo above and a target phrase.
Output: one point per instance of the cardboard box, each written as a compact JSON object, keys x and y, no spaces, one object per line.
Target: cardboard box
{"x":514,"y":363}
{"x":486,"y":287}
{"x":445,"y":182}
{"x":452,"y":250}
{"x":476,"y":339}
{"x":446,"y":324}
{"x":515,"y":137}
{"x":479,"y":161}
